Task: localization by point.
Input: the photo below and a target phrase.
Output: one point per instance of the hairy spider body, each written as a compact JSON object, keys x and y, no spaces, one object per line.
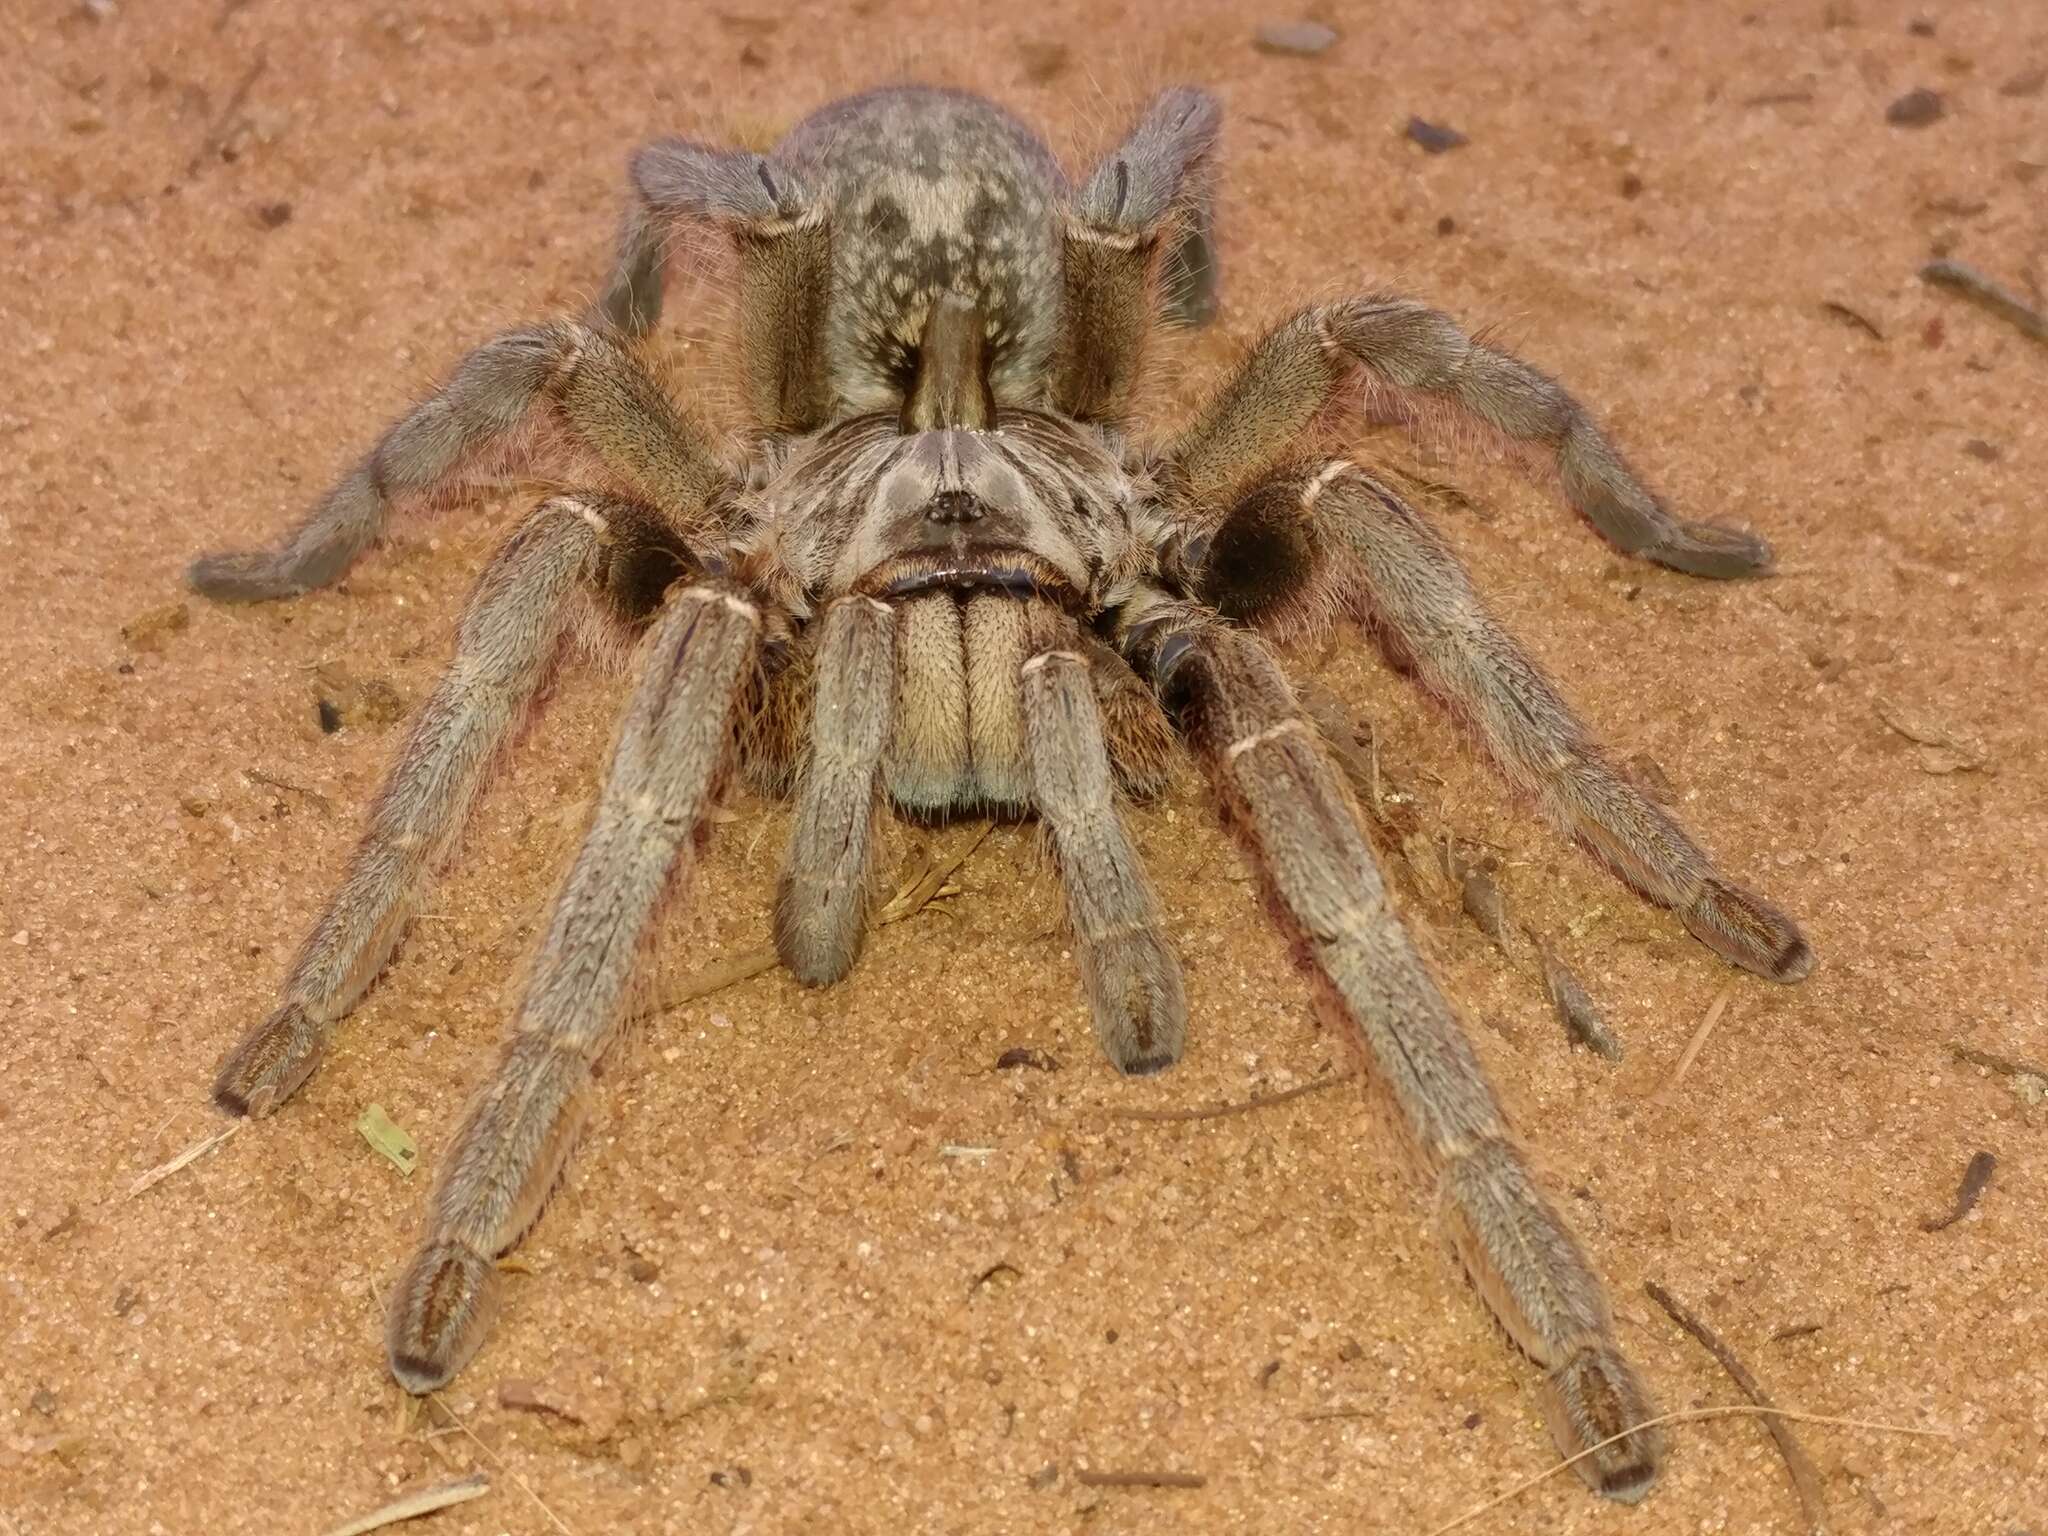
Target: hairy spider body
{"x":941,"y":573}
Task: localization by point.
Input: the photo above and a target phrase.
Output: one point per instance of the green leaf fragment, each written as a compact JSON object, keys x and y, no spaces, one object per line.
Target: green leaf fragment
{"x":389,"y":1140}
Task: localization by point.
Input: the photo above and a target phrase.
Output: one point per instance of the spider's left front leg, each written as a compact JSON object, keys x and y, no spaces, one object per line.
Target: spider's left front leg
{"x":1328,"y":535}
{"x":673,"y":745}
{"x":1289,"y":803}
{"x":1417,"y":360}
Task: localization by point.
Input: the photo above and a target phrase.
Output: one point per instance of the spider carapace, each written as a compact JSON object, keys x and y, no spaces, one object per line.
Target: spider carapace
{"x":946,"y":568}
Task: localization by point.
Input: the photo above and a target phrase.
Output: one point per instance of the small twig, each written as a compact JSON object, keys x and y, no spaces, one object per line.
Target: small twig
{"x":1691,"y":1052}
{"x":320,"y":802}
{"x":423,"y":1501}
{"x":1989,"y":293}
{"x":934,"y":884}
{"x":2004,"y":1066}
{"x":1218,"y":1111}
{"x":1855,"y":317}
{"x":497,"y":1461}
{"x":1975,"y":1178}
{"x":1689,"y":1416}
{"x":223,"y":127}
{"x":1141,"y":1480}
{"x":1806,"y":1481}
{"x":1795,"y":1331}
{"x":184,"y":1159}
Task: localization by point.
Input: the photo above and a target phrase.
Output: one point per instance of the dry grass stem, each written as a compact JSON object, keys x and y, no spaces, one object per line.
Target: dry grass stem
{"x":1141,"y":1480}
{"x":1691,"y":1052}
{"x":184,"y":1159}
{"x":1688,"y":1416}
{"x":1218,"y":1111}
{"x":1806,"y":1480}
{"x":497,"y":1461}
{"x":421,"y":1501}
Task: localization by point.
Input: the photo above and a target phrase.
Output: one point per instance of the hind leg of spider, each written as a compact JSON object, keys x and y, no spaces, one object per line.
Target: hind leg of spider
{"x":1132,"y":976}
{"x":673,"y":745}
{"x":1415,"y":359}
{"x":1332,"y":536}
{"x":1288,"y":802}
{"x":821,"y":902}
{"x":506,"y":646}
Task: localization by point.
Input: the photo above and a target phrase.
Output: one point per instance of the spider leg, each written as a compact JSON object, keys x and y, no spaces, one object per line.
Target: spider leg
{"x":1288,"y":801}
{"x":592,"y":384}
{"x":778,"y":228}
{"x":1132,"y":976}
{"x":673,"y":744}
{"x":1385,"y":561}
{"x":1413,"y":358}
{"x":1151,"y":190}
{"x":821,"y":901}
{"x":506,"y":646}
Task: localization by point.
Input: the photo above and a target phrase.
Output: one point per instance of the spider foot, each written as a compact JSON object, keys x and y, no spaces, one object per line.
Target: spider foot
{"x":1710,"y":550}
{"x":1748,"y":931}
{"x":1594,"y":1403}
{"x":271,"y":1061}
{"x":1141,"y":1008}
{"x":439,"y":1314}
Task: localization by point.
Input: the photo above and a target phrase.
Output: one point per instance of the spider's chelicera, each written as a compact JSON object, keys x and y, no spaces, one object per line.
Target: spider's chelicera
{"x":943,"y":572}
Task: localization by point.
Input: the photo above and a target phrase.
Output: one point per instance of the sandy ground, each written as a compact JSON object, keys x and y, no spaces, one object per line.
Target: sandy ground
{"x":234,"y":240}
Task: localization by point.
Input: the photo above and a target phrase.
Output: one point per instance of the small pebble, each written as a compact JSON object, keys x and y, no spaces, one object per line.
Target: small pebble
{"x":1916,"y":109}
{"x":2028,"y":82}
{"x":1433,"y":138}
{"x":1302,"y":39}
{"x":274,"y":215}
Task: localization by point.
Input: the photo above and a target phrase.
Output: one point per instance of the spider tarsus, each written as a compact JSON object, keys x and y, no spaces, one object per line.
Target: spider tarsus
{"x":1712,"y":551}
{"x":242,"y":576}
{"x":1591,"y":1398}
{"x":1748,"y":931}
{"x":267,"y":1065}
{"x":1140,"y":1003}
{"x":440,"y":1313}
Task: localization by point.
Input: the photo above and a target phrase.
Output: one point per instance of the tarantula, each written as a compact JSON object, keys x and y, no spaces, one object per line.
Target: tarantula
{"x":939,"y":572}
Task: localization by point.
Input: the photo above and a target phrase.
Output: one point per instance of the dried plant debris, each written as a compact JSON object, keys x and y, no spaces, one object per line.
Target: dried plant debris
{"x":1027,"y":1056}
{"x":1484,"y":904}
{"x":1916,"y":109}
{"x":1582,"y":1021}
{"x":1853,"y":316}
{"x":388,"y":1139}
{"x":148,"y":630}
{"x":2029,"y":1078}
{"x":1434,"y":138}
{"x":1976,"y":1178}
{"x":345,"y":699}
{"x":1302,"y":39}
{"x":1806,"y":1480}
{"x":421,"y":1501}
{"x":1988,"y":293}
{"x":1944,"y":751}
{"x":1093,"y":1479}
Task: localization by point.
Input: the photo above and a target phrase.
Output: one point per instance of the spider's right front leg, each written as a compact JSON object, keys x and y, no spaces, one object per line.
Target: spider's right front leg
{"x":672,"y":747}
{"x":506,"y":644}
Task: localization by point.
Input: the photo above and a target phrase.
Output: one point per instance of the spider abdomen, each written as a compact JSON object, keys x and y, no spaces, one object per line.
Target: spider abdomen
{"x":930,"y":191}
